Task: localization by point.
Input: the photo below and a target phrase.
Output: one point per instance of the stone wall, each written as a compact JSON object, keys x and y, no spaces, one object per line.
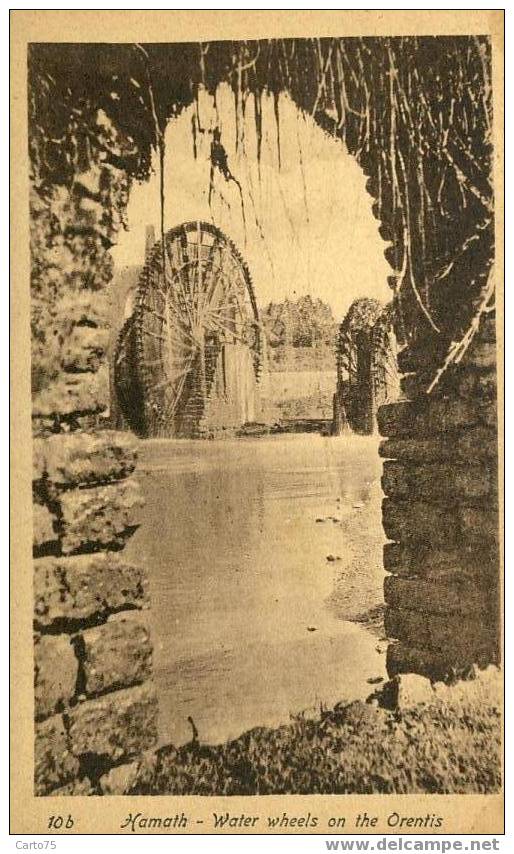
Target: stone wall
{"x":95,"y":710}
{"x":440,"y":479}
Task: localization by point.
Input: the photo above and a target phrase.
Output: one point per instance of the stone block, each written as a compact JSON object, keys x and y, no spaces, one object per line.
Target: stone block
{"x":397,"y":479}
{"x":73,"y":393}
{"x":461,"y":636}
{"x":454,"y":483}
{"x":458,"y":595}
{"x":437,"y":483}
{"x":77,"y":588}
{"x":479,"y":687}
{"x":56,"y":669}
{"x":117,"y":725}
{"x":473,"y":561}
{"x":412,"y":689}
{"x":409,"y":658}
{"x":122,"y":779}
{"x":54,"y":764}
{"x":44,"y":523}
{"x":484,"y":687}
{"x":78,"y":459}
{"x":401,"y":624}
{"x":100,"y":517}
{"x":476,"y":442}
{"x":84,"y":349}
{"x":479,"y":525}
{"x":467,"y":561}
{"x":418,"y":450}
{"x":417,"y":521}
{"x":400,"y":419}
{"x":473,"y":482}
{"x":397,"y":558}
{"x":479,"y":441}
{"x":408,"y":690}
{"x":117,"y":654}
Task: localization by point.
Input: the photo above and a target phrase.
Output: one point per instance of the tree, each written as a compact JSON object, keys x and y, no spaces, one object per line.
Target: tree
{"x":306,"y":322}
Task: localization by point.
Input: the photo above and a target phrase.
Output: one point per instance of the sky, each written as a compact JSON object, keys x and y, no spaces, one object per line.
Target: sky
{"x":308,"y":226}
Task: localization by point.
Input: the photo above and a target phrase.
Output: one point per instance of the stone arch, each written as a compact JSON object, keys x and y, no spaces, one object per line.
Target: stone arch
{"x":90,"y":138}
{"x":384,"y":114}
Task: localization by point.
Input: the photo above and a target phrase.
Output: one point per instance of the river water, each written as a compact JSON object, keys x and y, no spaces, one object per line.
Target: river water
{"x":265,"y":565}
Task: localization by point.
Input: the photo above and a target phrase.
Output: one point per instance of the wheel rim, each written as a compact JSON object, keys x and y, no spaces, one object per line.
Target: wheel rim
{"x":188,"y":307}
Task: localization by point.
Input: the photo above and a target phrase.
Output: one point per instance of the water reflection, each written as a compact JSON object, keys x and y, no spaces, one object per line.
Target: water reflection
{"x":250,"y":620}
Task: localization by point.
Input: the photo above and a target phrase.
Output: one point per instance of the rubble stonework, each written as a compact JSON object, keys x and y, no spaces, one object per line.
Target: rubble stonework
{"x":440,"y":511}
{"x":95,"y":709}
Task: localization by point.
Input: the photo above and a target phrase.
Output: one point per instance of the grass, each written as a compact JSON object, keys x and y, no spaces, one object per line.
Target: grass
{"x":356,"y":748}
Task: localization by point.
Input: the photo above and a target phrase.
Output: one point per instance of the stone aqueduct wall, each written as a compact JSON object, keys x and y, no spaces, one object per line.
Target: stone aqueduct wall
{"x":440,"y":479}
{"x":95,"y":709}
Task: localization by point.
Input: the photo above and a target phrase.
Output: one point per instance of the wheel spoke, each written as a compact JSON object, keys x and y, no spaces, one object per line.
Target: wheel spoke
{"x":192,"y":299}
{"x":178,"y":392}
{"x":153,"y":334}
{"x":220,"y":278}
{"x":176,"y":332}
{"x":209,"y":264}
{"x":224,"y":328}
{"x":153,"y":363}
{"x":169,"y":381}
{"x":172,"y":297}
{"x":224,"y":315}
{"x":218,"y":273}
{"x":184,"y":249}
{"x":177,"y":279}
{"x":199,"y":272}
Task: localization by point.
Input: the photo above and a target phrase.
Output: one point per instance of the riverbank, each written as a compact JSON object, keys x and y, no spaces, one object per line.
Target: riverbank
{"x":446,"y":743}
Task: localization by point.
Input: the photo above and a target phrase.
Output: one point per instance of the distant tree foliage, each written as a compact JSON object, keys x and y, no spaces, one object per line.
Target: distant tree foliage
{"x":416,"y":112}
{"x":306,"y":322}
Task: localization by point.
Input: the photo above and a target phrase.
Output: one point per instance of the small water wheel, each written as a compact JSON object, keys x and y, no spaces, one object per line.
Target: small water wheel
{"x":367,"y":374}
{"x":193,"y":301}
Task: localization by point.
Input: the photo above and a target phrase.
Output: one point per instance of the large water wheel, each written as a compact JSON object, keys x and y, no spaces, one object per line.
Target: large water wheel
{"x":194,"y":300}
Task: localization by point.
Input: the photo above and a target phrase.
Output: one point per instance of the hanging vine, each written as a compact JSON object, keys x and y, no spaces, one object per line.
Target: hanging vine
{"x":415,"y":113}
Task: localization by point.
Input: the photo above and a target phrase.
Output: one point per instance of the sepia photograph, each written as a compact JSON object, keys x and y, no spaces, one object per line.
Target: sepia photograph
{"x":266,"y":358}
